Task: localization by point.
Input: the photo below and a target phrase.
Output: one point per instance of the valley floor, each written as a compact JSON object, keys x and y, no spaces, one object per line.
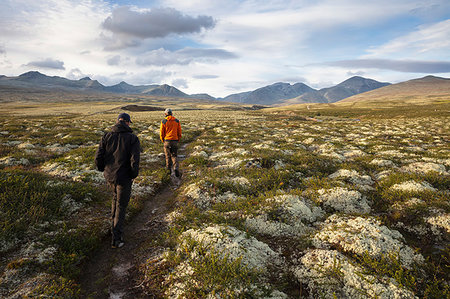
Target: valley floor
{"x":273,"y":204}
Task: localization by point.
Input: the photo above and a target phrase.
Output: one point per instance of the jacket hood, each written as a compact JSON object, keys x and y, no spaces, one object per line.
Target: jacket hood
{"x":121,"y":127}
{"x":170,"y":117}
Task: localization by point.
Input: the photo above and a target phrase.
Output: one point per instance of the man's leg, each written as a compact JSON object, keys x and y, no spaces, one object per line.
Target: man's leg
{"x":114,"y":204}
{"x":123,"y":193}
{"x":168,"y":155}
{"x":174,"y":154}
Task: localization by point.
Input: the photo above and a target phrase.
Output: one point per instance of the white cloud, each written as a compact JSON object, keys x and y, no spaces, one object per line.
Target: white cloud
{"x":47,"y":63}
{"x":158,"y":22}
{"x":63,"y":29}
{"x":180,"y":83}
{"x":407,"y":66}
{"x":115,"y":60}
{"x":222,"y":47}
{"x":184,"y":56}
{"x":76,"y":74}
{"x":428,"y":40}
{"x":129,"y":26}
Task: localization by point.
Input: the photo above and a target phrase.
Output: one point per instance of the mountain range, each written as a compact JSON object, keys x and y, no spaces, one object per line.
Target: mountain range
{"x":277,"y":94}
{"x":285,"y":93}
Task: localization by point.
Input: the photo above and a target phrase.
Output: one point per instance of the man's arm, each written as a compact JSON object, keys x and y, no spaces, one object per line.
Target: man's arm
{"x":135,"y":157}
{"x":179,"y":131}
{"x":162,"y":132}
{"x":100,"y":155}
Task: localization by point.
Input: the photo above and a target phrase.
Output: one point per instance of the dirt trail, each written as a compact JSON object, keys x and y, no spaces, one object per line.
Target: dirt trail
{"x":114,"y":273}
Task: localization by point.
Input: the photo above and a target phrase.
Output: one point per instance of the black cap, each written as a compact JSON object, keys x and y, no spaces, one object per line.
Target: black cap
{"x":125,"y":117}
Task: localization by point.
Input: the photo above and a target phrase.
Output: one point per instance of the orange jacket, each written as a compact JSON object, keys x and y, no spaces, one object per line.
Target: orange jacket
{"x":170,"y":129}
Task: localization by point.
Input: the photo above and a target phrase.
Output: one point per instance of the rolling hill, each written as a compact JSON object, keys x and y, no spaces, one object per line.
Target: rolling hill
{"x":423,"y":90}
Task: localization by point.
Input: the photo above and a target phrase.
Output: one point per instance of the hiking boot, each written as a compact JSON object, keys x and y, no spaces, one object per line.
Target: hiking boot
{"x":177,"y":173}
{"x":117,"y":244}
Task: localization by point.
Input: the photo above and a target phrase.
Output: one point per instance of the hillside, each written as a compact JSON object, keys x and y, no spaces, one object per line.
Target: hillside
{"x":271,"y":94}
{"x":285,"y":94}
{"x":423,"y":90}
{"x":37,"y":82}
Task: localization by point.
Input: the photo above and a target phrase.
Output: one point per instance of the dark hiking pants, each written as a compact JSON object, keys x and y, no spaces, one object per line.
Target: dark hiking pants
{"x":170,"y":150}
{"x":122,"y":193}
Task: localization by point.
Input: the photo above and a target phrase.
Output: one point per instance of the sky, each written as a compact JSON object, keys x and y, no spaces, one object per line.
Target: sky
{"x":221,"y":47}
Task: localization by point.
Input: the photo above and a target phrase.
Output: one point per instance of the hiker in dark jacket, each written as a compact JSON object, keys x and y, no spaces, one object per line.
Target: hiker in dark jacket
{"x":118,"y":157}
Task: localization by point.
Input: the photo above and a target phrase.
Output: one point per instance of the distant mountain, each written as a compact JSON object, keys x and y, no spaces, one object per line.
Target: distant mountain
{"x":285,"y":93}
{"x":165,"y":90}
{"x":38,"y":81}
{"x":429,"y":88}
{"x":269,"y":94}
{"x":35,"y":79}
{"x":202,"y":96}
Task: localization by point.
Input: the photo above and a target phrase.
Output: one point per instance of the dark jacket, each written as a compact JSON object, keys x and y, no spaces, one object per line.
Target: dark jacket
{"x":118,"y":154}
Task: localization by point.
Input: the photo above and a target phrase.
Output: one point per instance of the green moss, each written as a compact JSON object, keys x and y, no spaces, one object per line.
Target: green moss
{"x":28,"y":198}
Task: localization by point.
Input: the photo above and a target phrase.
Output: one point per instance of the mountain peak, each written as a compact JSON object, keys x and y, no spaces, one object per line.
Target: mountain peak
{"x":85,"y":79}
{"x":32,"y":74}
{"x":431,"y":78}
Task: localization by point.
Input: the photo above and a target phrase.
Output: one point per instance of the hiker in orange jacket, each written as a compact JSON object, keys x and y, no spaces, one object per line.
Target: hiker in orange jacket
{"x":170,"y":134}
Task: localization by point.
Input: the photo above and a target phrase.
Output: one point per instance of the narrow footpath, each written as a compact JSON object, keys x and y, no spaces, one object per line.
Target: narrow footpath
{"x":114,"y":273}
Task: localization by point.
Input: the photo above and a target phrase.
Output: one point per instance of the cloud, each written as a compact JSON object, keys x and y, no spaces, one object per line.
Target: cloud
{"x":115,"y":60}
{"x":184,"y":56}
{"x":76,"y":74}
{"x":207,"y":53}
{"x":180,"y":83}
{"x":158,"y":22}
{"x":48,"y":63}
{"x":205,"y":76}
{"x":426,"y":39}
{"x":359,"y":73}
{"x":2,"y":50}
{"x":406,"y":66}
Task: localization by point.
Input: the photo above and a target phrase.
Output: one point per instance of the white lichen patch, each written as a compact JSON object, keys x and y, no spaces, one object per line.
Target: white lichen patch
{"x":240,"y":181}
{"x":330,"y":274}
{"x":413,"y":186}
{"x":141,"y":189}
{"x":26,"y":145}
{"x":413,"y":202}
{"x":343,"y":200}
{"x":382,"y":163}
{"x":69,"y":205}
{"x":203,"y":199}
{"x":202,"y":154}
{"x":425,"y":167}
{"x":439,"y":223}
{"x":234,"y":244}
{"x":363,"y":182}
{"x":365,"y":235}
{"x":354,"y":153}
{"x":263,"y":225}
{"x":10,"y":161}
{"x":297,"y":217}
{"x":230,"y":244}
{"x":76,"y":174}
{"x":297,"y":209}
{"x":225,"y":163}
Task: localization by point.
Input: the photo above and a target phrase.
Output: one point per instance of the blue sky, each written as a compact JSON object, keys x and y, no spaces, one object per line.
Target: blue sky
{"x":222,"y":47}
